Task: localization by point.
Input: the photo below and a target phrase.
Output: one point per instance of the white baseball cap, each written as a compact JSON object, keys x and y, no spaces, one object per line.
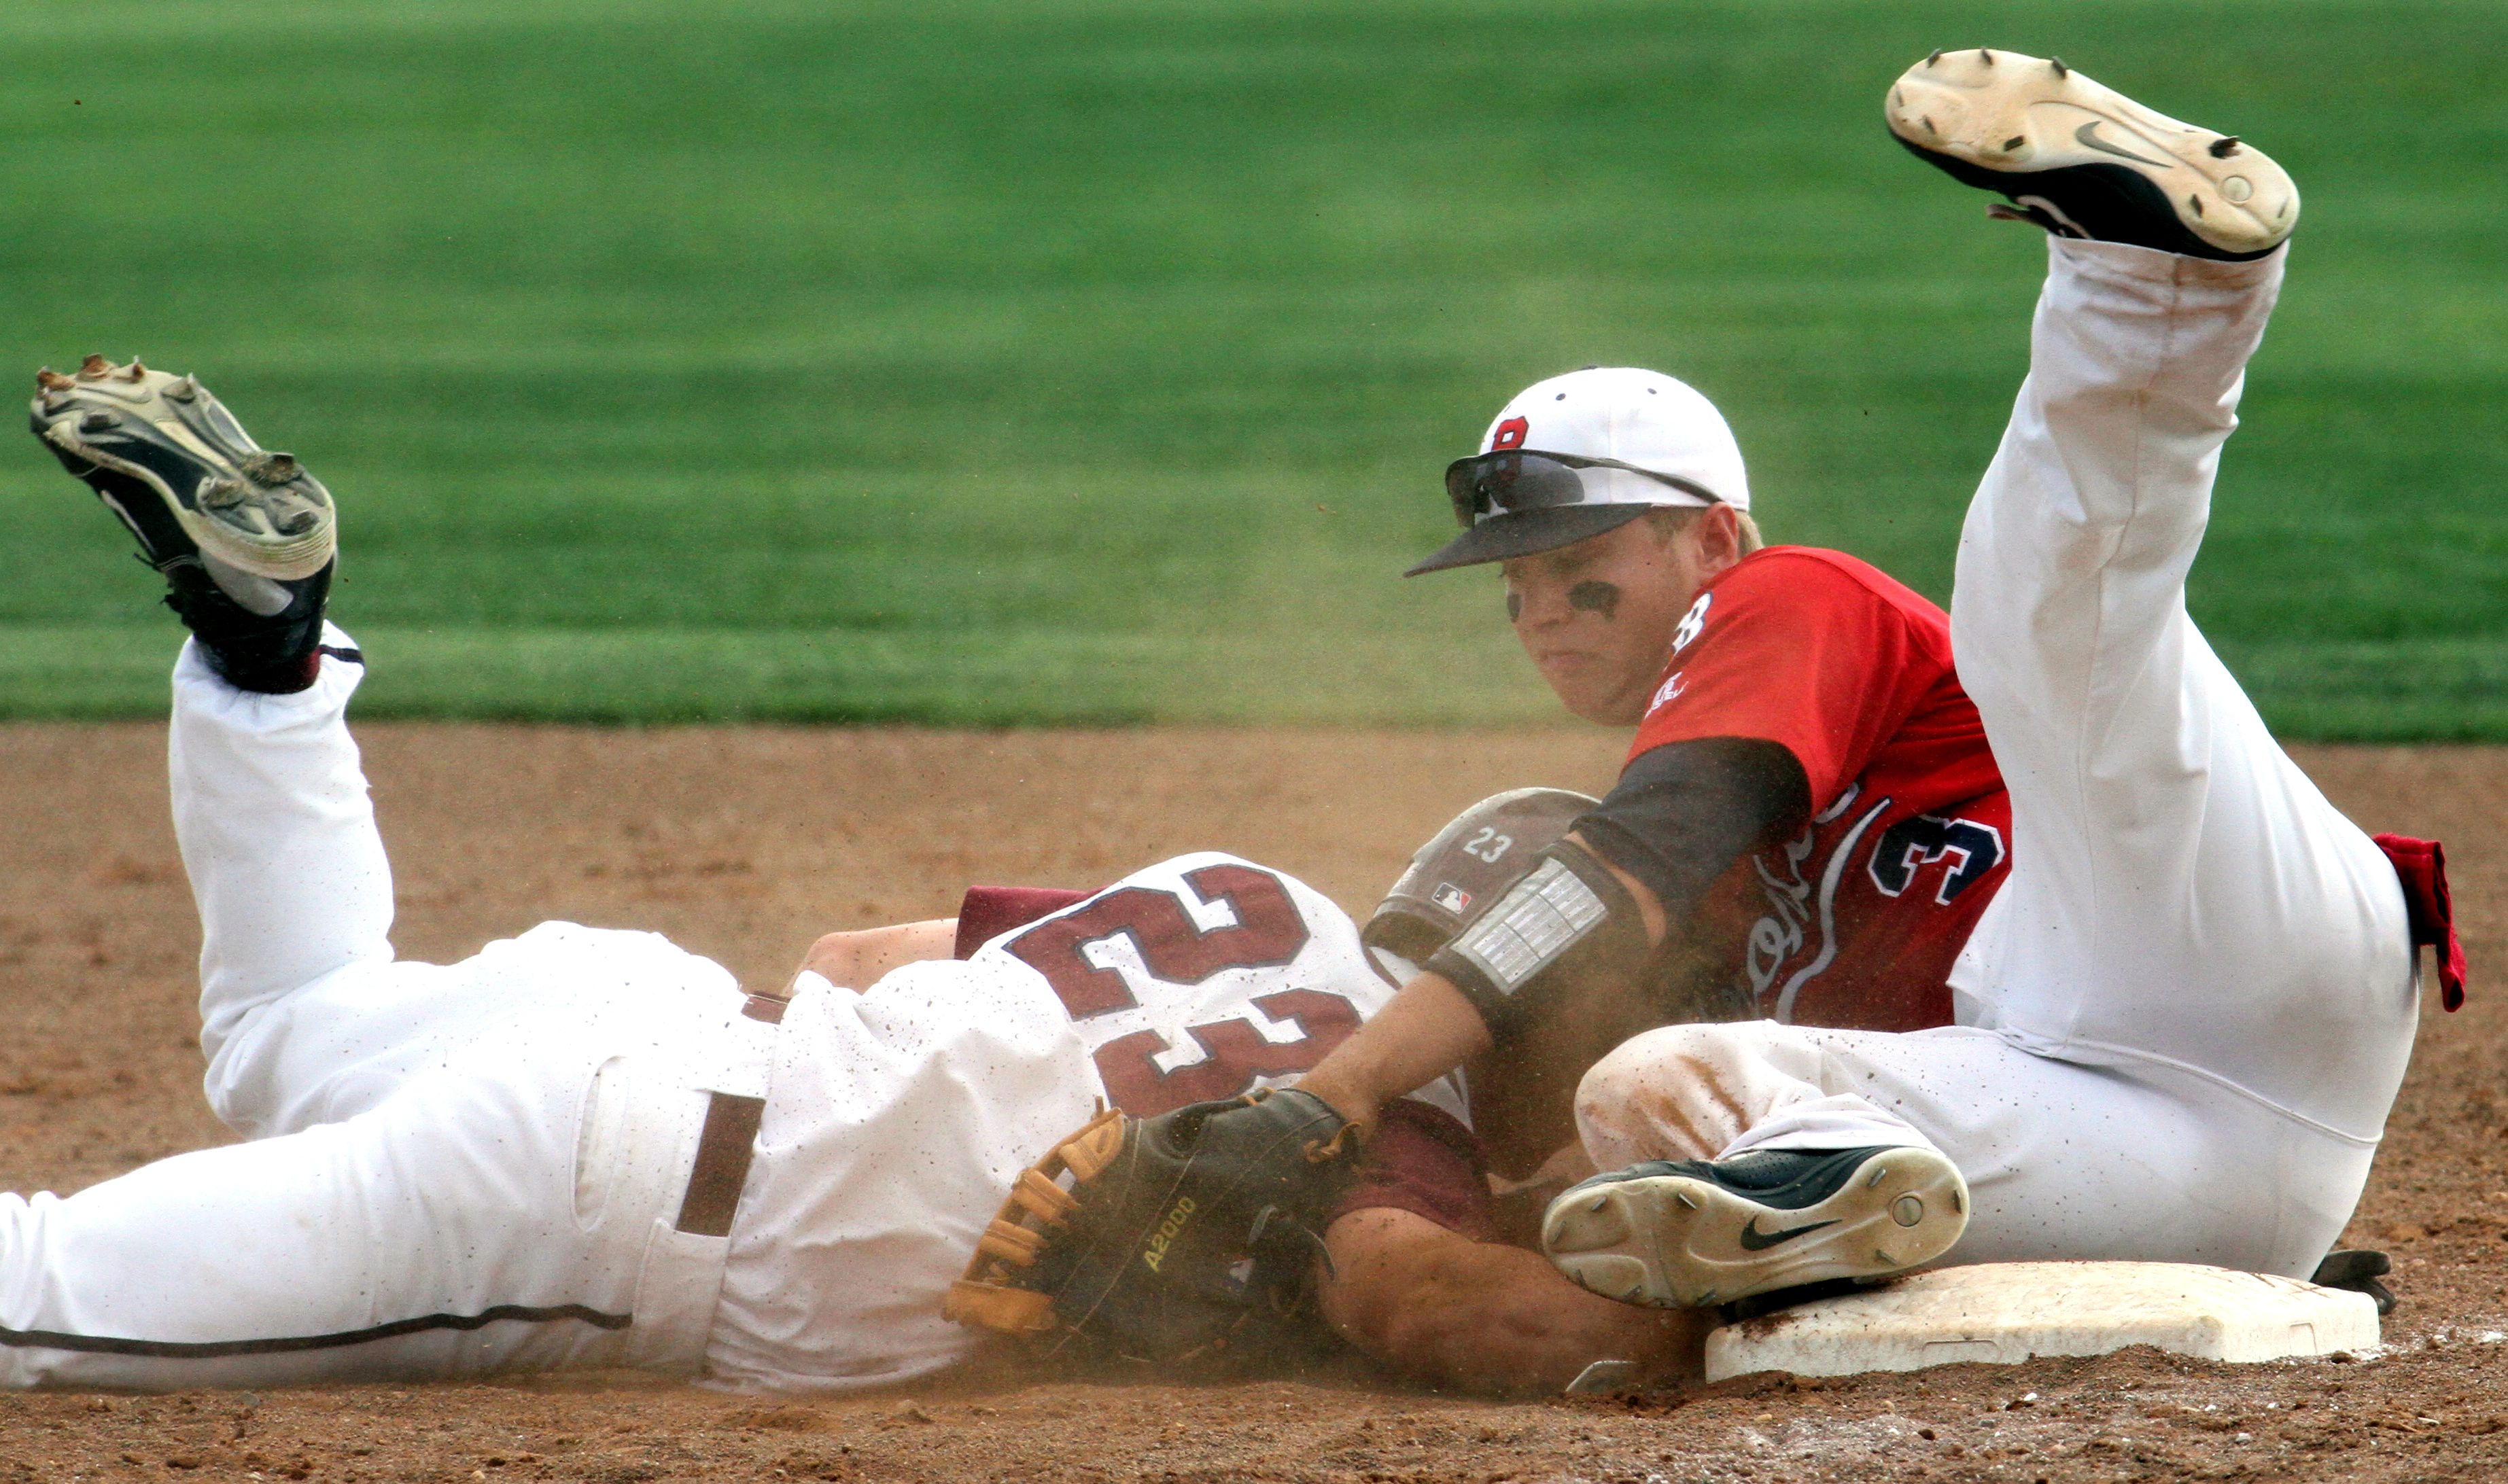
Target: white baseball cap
{"x":1579,"y":454}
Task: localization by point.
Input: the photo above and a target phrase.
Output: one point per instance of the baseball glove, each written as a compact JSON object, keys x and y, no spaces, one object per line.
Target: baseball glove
{"x":1178,"y":1239}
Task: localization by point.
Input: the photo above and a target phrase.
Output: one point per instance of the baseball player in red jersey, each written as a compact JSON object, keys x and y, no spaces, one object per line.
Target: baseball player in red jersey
{"x":1856,"y":920}
{"x":2171,"y":992}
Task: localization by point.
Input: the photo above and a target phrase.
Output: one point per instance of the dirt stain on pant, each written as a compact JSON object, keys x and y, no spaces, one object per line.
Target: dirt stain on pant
{"x":1681,"y":1105}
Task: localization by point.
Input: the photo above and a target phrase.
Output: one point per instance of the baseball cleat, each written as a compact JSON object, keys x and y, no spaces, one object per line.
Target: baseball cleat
{"x":2084,"y":161}
{"x":216,"y":491}
{"x":1688,"y":1233}
{"x":243,"y":536}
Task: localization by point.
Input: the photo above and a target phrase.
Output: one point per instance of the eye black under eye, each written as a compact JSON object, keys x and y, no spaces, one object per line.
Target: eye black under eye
{"x":1514,"y":607}
{"x":1595,"y":596}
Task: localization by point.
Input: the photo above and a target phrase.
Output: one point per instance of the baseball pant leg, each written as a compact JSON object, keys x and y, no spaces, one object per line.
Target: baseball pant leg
{"x":2062,"y":1160}
{"x":2181,"y":895}
{"x":304,"y":1017}
{"x":511,"y":1210}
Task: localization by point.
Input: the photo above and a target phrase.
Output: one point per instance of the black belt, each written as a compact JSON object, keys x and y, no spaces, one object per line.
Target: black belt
{"x":725,"y":1146}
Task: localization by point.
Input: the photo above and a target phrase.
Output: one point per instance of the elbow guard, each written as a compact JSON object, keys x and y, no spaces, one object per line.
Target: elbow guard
{"x":1566,"y":918}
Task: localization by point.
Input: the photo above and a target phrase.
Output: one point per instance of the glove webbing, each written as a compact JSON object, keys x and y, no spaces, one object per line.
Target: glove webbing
{"x":988,"y":1294}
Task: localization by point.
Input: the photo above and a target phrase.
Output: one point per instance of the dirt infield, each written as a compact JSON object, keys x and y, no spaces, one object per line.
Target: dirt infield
{"x":744,"y":844}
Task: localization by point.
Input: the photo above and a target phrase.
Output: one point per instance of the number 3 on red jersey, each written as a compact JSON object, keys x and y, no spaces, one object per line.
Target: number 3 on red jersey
{"x":1269,"y":932}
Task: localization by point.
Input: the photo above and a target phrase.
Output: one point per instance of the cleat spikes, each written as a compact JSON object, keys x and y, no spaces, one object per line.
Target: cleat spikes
{"x":271,"y":469}
{"x":1695,"y":1233}
{"x":2083,"y":161}
{"x":190,"y":485}
{"x":1935,"y":59}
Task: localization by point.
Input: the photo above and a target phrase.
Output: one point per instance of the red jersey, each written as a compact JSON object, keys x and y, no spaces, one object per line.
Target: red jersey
{"x":1855,"y":922}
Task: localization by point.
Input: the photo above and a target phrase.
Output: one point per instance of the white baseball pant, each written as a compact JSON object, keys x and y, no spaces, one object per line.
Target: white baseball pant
{"x":490,"y":1165}
{"x":451,"y":1168}
{"x":2185,"y":1017}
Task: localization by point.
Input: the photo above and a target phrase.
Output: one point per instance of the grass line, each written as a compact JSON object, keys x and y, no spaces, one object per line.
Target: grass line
{"x":2404,"y":690}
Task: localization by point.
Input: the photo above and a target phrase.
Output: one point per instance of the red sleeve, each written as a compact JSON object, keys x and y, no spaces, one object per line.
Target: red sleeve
{"x":988,"y":912}
{"x":1790,"y":646}
{"x":1425,"y":1162}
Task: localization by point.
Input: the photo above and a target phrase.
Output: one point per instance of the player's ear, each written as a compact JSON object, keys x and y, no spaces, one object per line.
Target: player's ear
{"x":1717,"y":534}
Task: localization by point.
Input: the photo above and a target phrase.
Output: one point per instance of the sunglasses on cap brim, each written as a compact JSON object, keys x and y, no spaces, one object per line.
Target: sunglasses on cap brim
{"x":1517,"y":479}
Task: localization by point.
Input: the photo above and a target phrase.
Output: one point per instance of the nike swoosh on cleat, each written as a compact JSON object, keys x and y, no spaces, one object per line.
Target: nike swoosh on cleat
{"x":2088,"y":136}
{"x":1754,"y":1240}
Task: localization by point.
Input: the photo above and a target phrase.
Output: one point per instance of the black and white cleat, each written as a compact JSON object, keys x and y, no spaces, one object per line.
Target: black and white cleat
{"x":216,"y":492}
{"x":2084,"y":161}
{"x":1688,"y":1233}
{"x":243,"y":536}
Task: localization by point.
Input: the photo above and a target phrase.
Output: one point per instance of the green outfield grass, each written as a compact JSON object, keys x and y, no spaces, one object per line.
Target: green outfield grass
{"x":1029,"y":362}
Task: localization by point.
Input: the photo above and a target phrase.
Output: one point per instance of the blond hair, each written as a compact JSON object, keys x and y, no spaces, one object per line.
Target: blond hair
{"x":1670,"y":521}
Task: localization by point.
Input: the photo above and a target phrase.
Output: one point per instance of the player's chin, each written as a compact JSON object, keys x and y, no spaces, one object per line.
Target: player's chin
{"x":1572,"y":674}
{"x":1590,"y":689}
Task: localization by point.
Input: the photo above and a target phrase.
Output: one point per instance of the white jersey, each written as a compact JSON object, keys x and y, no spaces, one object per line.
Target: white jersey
{"x":1200,"y":977}
{"x":897,"y":1118}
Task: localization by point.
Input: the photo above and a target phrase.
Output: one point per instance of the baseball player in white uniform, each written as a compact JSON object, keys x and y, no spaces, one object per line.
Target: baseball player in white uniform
{"x":579,"y":1147}
{"x":2182,"y":1023}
